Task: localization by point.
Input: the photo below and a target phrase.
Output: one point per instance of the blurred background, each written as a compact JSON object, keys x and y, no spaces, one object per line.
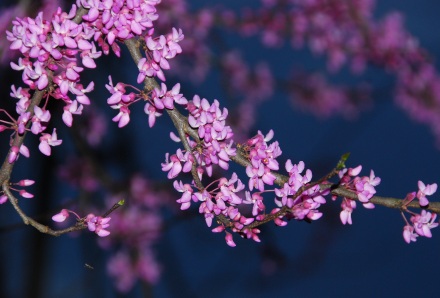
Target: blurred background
{"x":156,"y":250}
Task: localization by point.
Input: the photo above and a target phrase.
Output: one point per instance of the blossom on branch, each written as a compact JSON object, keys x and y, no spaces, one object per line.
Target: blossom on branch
{"x":47,"y":140}
{"x":425,"y":190}
{"x":363,"y":187}
{"x":98,"y":224}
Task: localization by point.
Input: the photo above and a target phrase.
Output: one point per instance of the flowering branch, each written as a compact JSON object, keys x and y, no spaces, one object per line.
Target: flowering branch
{"x":79,"y":225}
{"x":28,"y":108}
{"x":29,"y":221}
{"x":50,"y":69}
{"x":55,"y":52}
{"x":184,"y":129}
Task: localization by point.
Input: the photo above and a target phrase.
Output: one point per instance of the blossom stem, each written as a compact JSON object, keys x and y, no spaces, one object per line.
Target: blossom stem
{"x":114,"y":207}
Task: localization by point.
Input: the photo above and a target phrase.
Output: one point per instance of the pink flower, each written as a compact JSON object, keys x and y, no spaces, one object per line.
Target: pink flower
{"x":364,"y":187}
{"x":259,"y":176}
{"x":62,"y":216}
{"x":148,"y":69}
{"x":14,"y":154}
{"x":257,"y":202}
{"x":69,"y":109}
{"x":229,"y":240}
{"x":152,"y":113}
{"x":47,"y":140}
{"x":123,"y":117}
{"x":425,"y":190}
{"x":22,"y":121}
{"x":25,"y":194}
{"x":116,"y":91}
{"x":3,"y":199}
{"x":165,"y":99}
{"x":172,"y":164}
{"x":186,"y":191}
{"x":40,"y":120}
{"x":424,"y":222}
{"x":26,"y":182}
{"x":98,"y":224}
{"x":409,"y":235}
{"x":347,"y":208}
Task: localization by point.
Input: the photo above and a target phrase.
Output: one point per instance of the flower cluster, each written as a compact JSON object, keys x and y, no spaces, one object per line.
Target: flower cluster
{"x":118,"y":20}
{"x":221,"y":200}
{"x":122,"y":20}
{"x":158,"y":51}
{"x":215,"y":145}
{"x":121,"y":101}
{"x":303,"y":202}
{"x":216,"y":137}
{"x":422,"y":223}
{"x":49,"y":52}
{"x":162,"y":99}
{"x":363,"y":187}
{"x":262,"y":159}
{"x":98,"y":224}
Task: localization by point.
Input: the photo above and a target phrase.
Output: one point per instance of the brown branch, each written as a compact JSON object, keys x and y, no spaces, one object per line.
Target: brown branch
{"x":29,"y":221}
{"x":388,"y":202}
{"x":80,"y":224}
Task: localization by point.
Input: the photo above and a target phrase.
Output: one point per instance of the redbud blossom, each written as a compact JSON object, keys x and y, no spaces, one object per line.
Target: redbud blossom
{"x":25,"y":182}
{"x":424,"y":222}
{"x":347,"y":208}
{"x":409,"y":235}
{"x":25,"y":194}
{"x":172,"y":164}
{"x":229,"y":240}
{"x":98,"y":224}
{"x":60,"y":217}
{"x":424,"y":191}
{"x":3,"y":199}
{"x":47,"y":140}
{"x":13,"y":155}
{"x":123,"y":117}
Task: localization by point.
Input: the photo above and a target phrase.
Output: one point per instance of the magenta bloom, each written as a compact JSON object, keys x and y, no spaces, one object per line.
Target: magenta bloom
{"x":47,"y":140}
{"x":62,"y":216}
{"x":425,"y":190}
{"x":98,"y":224}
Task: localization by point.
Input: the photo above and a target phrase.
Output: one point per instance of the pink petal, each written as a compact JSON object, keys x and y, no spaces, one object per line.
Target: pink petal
{"x":103,"y":233}
{"x":44,"y":148}
{"x":229,"y":240}
{"x":88,"y":62}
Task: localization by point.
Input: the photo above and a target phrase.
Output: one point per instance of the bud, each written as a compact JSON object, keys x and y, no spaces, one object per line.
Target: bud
{"x":26,"y":182}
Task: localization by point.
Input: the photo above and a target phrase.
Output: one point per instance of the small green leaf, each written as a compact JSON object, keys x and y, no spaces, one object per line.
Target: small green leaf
{"x":341,"y":162}
{"x":121,"y":202}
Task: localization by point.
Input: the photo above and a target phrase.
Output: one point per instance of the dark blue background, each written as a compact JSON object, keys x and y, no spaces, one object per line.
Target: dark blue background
{"x":323,"y":259}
